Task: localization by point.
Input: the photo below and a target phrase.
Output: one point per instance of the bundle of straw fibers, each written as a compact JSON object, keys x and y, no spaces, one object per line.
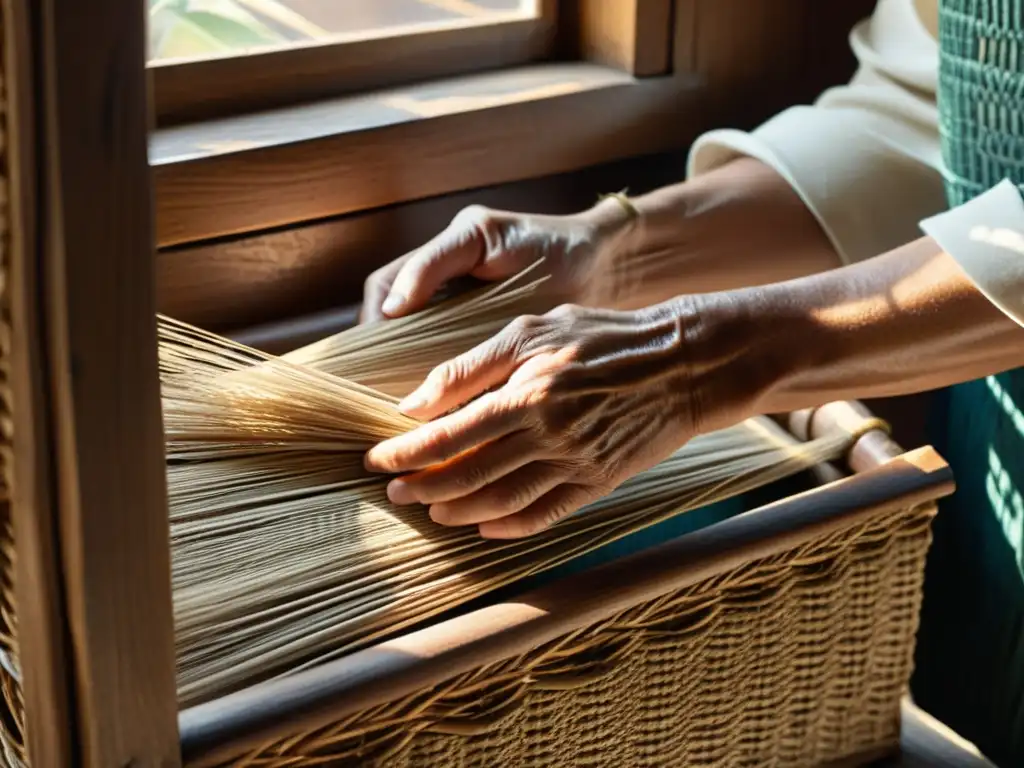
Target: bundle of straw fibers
{"x":394,"y":356}
{"x":286,"y":552}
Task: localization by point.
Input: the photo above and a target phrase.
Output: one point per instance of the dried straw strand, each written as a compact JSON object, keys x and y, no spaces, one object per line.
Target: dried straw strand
{"x":286,"y":552}
{"x":393,"y":356}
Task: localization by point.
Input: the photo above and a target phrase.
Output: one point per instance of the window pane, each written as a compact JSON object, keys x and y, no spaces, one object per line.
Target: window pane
{"x":186,"y":29}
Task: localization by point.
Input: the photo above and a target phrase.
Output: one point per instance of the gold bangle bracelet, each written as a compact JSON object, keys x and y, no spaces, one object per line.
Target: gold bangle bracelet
{"x":622,"y":199}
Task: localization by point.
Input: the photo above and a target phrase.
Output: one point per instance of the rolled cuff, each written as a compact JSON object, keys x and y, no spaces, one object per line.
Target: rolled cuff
{"x":986,"y":238}
{"x":865,"y":190}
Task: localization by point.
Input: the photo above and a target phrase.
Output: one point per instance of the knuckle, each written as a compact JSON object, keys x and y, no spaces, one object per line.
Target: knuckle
{"x":436,"y":444}
{"x":472,"y":478}
{"x":526,"y":326}
{"x":511,"y":497}
{"x":445,"y":375}
{"x":567,"y":316}
{"x":518,"y":337}
{"x":563,"y":311}
{"x":507,"y":345}
{"x":374,"y":279}
{"x":452,"y":373}
{"x":475,"y":216}
{"x":493,"y":228}
{"x":544,"y":519}
{"x":555,"y":513}
{"x":567,"y":505}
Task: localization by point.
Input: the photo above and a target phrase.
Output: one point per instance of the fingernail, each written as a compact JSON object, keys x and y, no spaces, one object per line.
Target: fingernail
{"x":439,"y":514}
{"x":370,"y":461}
{"x":393,"y":303}
{"x":414,"y":402}
{"x":399,"y":493}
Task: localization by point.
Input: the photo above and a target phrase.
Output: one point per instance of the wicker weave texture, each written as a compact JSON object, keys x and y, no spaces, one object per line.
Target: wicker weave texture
{"x":981,"y":94}
{"x":796,"y":660}
{"x":11,"y":707}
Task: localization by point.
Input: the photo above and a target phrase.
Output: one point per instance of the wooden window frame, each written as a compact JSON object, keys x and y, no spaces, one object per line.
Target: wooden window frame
{"x":611,"y":93}
{"x":234,"y":84}
{"x":93,"y":581}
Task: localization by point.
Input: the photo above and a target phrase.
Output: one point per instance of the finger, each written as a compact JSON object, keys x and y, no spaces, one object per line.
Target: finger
{"x":465,"y":474}
{"x":553,"y":506}
{"x":504,"y":497}
{"x":482,"y":421}
{"x":453,"y":253}
{"x":376,"y":290}
{"x":470,"y":374}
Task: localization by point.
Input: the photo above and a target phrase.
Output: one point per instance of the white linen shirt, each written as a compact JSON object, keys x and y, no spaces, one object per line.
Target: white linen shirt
{"x":866,"y":159}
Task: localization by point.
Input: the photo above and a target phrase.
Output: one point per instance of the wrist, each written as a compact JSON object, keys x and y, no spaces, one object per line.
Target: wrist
{"x":739,"y":225}
{"x":613,"y":220}
{"x":740,"y":353}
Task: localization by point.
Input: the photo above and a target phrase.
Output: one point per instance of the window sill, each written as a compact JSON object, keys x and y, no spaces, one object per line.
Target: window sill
{"x":338,"y":156}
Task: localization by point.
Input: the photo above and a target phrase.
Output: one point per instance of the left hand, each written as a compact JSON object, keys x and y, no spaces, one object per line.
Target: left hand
{"x":584,"y":399}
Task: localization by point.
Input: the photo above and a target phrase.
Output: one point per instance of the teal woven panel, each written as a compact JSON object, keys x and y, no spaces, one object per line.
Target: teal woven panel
{"x":981,"y":94}
{"x":970,"y":652}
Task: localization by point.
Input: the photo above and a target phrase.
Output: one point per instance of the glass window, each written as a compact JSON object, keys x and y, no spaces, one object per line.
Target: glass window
{"x":197,"y":29}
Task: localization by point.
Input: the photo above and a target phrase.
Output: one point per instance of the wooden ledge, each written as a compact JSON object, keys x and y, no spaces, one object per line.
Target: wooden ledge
{"x":337,"y":156}
{"x":926,"y":743}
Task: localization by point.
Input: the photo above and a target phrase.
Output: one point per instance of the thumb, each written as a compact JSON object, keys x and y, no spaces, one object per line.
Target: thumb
{"x":453,"y":253}
{"x":463,"y":378}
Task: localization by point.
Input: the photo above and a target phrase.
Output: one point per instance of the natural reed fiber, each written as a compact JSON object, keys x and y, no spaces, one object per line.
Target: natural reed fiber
{"x":286,"y":552}
{"x":393,"y":356}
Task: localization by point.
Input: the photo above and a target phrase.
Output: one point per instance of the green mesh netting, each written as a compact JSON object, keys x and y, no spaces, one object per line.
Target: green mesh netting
{"x":981,"y":94}
{"x":970,"y":651}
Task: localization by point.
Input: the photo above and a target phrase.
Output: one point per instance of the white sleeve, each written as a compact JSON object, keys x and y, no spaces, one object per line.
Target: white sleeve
{"x":866,"y":157}
{"x":986,"y":238}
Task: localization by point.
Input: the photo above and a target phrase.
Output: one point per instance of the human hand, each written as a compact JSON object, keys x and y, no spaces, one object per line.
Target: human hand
{"x":494,"y":245}
{"x":584,"y":399}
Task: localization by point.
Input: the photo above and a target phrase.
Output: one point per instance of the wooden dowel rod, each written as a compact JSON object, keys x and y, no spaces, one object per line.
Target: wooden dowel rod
{"x":874,"y":448}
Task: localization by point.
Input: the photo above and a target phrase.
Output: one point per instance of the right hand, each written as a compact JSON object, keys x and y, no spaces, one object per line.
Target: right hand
{"x":494,"y":245}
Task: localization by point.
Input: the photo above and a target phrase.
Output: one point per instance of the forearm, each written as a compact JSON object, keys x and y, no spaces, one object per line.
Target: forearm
{"x":904,"y":322}
{"x":740,"y":225}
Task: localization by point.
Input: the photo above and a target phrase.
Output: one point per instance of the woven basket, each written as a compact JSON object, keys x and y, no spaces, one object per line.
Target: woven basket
{"x":781,"y":637}
{"x":798,"y":659}
{"x":981,"y":94}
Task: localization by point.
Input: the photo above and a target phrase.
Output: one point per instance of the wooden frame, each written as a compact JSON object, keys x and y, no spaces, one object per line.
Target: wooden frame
{"x":632,"y":36}
{"x":233,"y":84}
{"x":90,"y":497}
{"x":89,"y":504}
{"x":44,"y":636}
{"x":297,"y":167}
{"x":593,"y":109}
